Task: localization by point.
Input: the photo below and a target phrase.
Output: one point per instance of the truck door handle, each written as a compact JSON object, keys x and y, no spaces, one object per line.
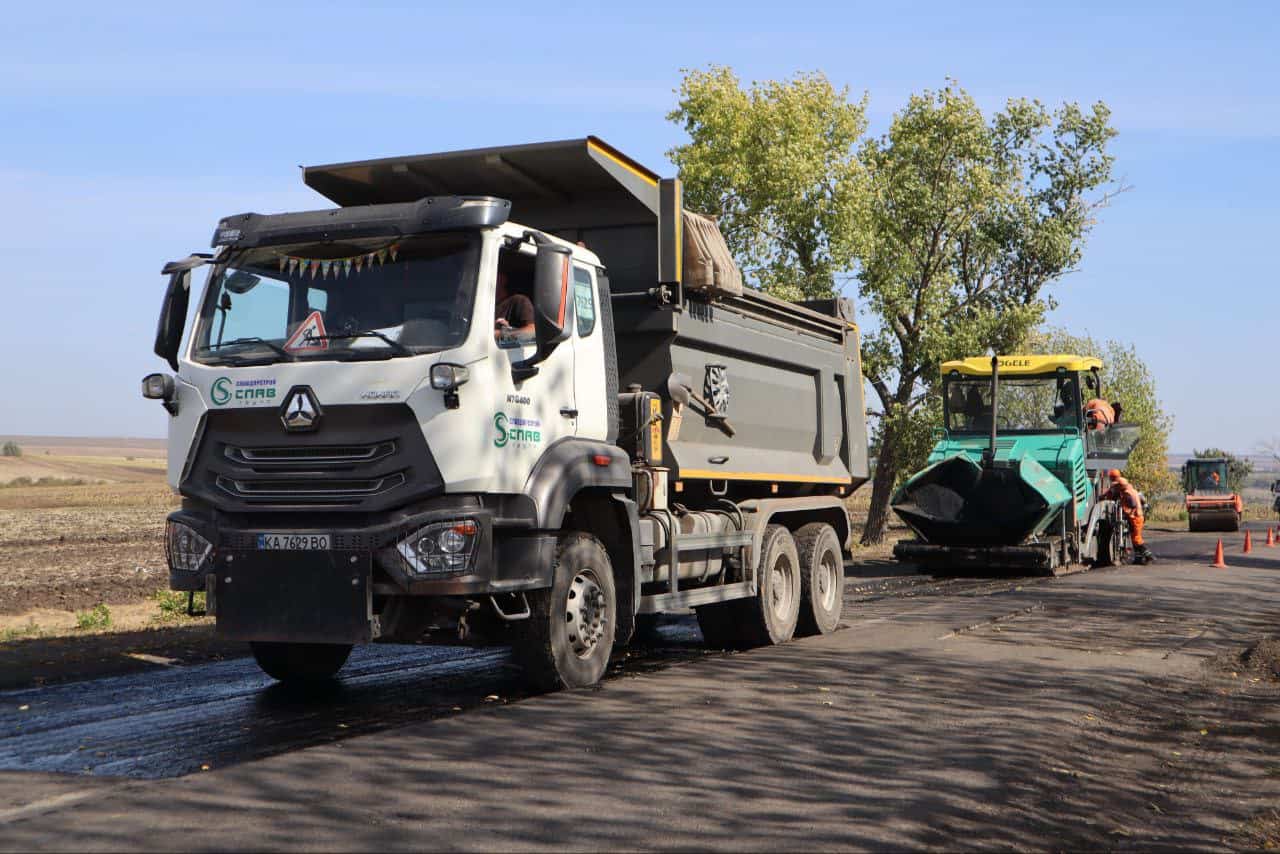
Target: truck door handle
{"x":568,"y":412}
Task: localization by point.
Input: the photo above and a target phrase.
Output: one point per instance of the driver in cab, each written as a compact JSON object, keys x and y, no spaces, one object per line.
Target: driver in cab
{"x":513,"y":315}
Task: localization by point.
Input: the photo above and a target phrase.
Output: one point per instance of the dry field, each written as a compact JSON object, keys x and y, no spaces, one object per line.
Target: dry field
{"x":67,"y":548}
{"x":90,"y":460}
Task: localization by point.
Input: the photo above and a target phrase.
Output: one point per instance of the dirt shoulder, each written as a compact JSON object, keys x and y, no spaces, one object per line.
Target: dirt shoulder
{"x":35,"y":661}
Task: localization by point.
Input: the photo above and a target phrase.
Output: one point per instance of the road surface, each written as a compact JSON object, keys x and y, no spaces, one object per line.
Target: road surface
{"x":1093,"y":710}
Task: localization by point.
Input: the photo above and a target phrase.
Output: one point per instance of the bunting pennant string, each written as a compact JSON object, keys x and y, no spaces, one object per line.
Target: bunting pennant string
{"x":303,"y":267}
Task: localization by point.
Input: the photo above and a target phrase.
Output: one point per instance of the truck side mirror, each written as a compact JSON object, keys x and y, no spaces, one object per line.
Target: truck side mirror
{"x":173,"y":311}
{"x":173,"y":317}
{"x":550,"y":304}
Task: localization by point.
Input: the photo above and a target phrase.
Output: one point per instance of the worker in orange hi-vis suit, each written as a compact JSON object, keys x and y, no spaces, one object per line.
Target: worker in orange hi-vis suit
{"x":1098,"y":414}
{"x":1131,"y":504}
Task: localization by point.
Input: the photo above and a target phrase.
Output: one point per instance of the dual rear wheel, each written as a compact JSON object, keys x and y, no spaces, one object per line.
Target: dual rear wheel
{"x":800,"y":590}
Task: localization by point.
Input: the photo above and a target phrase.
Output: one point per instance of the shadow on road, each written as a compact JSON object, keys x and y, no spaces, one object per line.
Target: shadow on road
{"x":1066,"y":728}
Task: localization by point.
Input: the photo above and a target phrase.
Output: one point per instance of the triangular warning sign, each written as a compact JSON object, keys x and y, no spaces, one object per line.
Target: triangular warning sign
{"x":308,"y":335}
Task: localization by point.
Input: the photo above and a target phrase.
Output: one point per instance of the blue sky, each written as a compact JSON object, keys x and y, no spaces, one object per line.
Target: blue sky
{"x":126,"y":129}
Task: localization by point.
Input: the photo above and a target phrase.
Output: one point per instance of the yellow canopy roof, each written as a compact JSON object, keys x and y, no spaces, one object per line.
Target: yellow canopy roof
{"x":981,"y":365}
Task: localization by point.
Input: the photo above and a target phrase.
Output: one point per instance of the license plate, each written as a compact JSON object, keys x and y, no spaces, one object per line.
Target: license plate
{"x":294,"y":542}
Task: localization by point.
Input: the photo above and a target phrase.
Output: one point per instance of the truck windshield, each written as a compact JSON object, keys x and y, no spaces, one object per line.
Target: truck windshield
{"x":1027,"y":404}
{"x":350,"y":300}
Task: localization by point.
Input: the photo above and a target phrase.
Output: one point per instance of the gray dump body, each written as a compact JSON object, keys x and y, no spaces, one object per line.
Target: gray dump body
{"x":787,"y":380}
{"x":785,"y":377}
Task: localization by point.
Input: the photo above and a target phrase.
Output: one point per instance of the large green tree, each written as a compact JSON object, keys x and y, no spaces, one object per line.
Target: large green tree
{"x":952,"y":223}
{"x":1127,"y":379}
{"x":969,"y":220}
{"x":777,"y":164}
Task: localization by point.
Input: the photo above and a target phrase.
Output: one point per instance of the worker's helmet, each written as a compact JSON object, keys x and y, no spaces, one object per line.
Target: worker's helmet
{"x":1114,"y":474}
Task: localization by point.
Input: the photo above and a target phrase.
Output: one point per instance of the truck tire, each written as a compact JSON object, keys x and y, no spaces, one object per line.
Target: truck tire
{"x":771,"y":617}
{"x":300,"y":662}
{"x":821,"y":579}
{"x":569,"y":635}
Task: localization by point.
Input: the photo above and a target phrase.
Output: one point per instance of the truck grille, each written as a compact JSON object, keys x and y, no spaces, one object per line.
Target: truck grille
{"x":369,"y":457}
{"x":331,"y":490}
{"x":324,"y":455}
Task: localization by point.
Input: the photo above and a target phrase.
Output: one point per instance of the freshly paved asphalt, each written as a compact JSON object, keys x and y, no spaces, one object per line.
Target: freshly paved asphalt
{"x":995,"y":713}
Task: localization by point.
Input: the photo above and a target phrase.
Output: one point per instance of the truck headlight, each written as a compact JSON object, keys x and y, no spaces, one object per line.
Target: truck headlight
{"x":186,"y":550}
{"x":440,"y":547}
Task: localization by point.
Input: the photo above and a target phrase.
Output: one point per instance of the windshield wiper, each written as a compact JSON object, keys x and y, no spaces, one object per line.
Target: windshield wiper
{"x":276,"y":348}
{"x":237,"y":361}
{"x":364,"y":333}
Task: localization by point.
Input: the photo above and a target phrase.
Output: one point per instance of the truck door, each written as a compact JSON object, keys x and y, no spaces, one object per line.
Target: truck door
{"x":529,"y":416}
{"x":588,"y":363}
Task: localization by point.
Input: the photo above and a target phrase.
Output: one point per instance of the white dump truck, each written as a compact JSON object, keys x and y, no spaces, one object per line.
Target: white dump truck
{"x":409,"y":418}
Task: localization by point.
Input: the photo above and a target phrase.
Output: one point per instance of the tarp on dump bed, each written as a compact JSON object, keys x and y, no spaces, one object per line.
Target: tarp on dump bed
{"x":708,"y":265}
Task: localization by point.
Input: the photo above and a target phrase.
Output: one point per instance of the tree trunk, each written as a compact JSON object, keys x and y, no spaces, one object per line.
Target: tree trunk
{"x":882,"y":489}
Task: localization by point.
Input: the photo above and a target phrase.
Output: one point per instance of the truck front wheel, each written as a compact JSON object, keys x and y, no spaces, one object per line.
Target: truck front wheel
{"x":569,"y":634}
{"x":300,"y":662}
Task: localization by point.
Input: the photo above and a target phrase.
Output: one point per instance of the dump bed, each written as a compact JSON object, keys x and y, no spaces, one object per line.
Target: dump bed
{"x":785,"y":378}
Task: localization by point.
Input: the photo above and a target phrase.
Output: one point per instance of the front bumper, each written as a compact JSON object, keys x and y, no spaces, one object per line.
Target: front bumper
{"x":508,"y":558}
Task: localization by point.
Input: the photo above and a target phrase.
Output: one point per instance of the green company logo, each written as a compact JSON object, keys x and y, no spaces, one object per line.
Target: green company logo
{"x":500,"y":424}
{"x":246,"y":392}
{"x":221,"y":391}
{"x":518,"y":432}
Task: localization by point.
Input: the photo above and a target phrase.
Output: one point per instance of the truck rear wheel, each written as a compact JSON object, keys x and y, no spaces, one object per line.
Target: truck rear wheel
{"x":300,"y":662}
{"x":821,"y":579}
{"x":569,"y":634}
{"x":770,"y":618}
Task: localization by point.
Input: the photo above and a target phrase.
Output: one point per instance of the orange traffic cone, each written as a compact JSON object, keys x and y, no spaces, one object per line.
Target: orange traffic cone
{"x":1248,"y":541}
{"x":1271,"y":537}
{"x":1219,"y":562}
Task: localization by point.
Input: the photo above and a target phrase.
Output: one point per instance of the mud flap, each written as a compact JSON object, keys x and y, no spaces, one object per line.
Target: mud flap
{"x":301,"y":597}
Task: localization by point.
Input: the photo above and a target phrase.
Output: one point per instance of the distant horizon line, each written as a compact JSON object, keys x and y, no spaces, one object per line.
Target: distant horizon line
{"x":21,"y":437}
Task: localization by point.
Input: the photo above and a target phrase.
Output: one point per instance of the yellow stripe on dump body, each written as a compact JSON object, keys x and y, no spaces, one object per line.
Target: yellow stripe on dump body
{"x":679,"y":191}
{"x":710,"y":474}
{"x":981,"y":365}
{"x":634,"y":168}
